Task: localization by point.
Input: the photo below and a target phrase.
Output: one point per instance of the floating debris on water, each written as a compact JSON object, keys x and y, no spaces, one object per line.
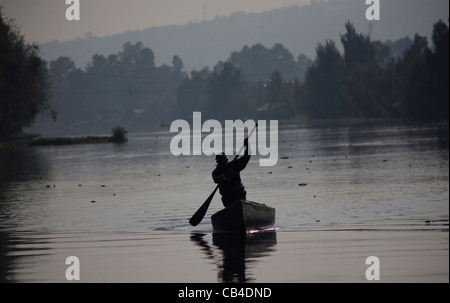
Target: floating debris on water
{"x":302,"y":184}
{"x":284,"y":158}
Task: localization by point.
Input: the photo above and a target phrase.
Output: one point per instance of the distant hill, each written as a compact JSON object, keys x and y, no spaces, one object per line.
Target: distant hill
{"x":298,"y":28}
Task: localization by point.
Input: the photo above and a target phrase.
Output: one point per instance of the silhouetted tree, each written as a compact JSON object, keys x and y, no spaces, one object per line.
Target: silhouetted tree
{"x":403,"y":78}
{"x":280,"y":97}
{"x":424,"y":76}
{"x":275,"y":89}
{"x":322,"y":91}
{"x":24,"y":84}
{"x":303,"y":64}
{"x":119,"y":135}
{"x":416,"y":80}
{"x":66,"y":100}
{"x":368,"y":90}
{"x":229,"y":94}
{"x":177,"y":63}
{"x":126,"y":86}
{"x":438,"y":64}
{"x":193,"y":93}
{"x":357,"y":48}
{"x":367,"y":85}
{"x":258,"y":62}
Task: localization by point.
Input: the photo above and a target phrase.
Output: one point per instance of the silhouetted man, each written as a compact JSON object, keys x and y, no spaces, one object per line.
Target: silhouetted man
{"x":227,"y":175}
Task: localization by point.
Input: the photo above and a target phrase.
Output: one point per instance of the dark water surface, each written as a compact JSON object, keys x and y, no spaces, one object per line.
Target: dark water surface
{"x":343,"y":191}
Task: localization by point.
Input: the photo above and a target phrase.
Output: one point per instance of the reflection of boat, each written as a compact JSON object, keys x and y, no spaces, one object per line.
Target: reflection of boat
{"x":236,"y":251}
{"x":254,"y":244}
{"x":243,"y":216}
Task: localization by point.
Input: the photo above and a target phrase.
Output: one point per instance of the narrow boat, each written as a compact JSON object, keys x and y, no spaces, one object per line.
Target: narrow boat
{"x":242,"y":216}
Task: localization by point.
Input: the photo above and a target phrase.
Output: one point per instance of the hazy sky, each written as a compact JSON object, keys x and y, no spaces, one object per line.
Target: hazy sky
{"x":44,"y":20}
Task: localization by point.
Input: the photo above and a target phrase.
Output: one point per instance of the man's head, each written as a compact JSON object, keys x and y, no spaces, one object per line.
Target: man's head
{"x":221,"y":159}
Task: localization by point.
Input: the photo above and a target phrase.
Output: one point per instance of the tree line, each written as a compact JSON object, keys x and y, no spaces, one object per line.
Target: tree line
{"x":371,"y":79}
{"x":126,"y":86}
{"x":367,"y":82}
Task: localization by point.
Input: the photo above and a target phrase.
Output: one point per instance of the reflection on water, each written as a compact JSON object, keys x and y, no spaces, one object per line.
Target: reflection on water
{"x":119,"y":207}
{"x":5,"y":263}
{"x":237,"y":251}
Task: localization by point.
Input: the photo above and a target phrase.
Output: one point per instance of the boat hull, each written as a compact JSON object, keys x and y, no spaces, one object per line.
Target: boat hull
{"x":243,"y":216}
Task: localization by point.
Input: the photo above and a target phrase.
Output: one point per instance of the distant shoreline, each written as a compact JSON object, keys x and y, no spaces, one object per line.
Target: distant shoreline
{"x":71,"y":140}
{"x":58,"y":141}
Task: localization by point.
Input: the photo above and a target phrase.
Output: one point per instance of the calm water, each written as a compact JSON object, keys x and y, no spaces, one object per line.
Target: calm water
{"x":343,"y":191}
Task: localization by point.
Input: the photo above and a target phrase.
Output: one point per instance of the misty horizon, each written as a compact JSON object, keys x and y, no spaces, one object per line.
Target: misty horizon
{"x":298,"y":28}
{"x":44,"y":21}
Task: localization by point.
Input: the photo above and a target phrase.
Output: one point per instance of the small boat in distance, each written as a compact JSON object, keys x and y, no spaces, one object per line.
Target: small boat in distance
{"x":243,"y":216}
